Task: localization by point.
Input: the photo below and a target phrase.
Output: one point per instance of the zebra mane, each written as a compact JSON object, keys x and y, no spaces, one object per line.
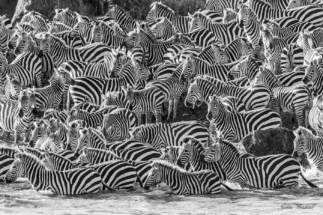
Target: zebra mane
{"x":104,"y":163}
{"x":154,"y":6}
{"x":167,"y":164}
{"x":33,"y":158}
{"x":7,"y":150}
{"x":231,"y":146}
{"x":97,"y":151}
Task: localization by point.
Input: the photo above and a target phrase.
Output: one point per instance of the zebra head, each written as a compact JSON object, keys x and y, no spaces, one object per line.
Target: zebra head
{"x":112,"y":12}
{"x":154,"y":176}
{"x":83,"y":140}
{"x":26,"y":101}
{"x":245,"y":16}
{"x":304,"y":138}
{"x":98,"y":32}
{"x":197,"y":20}
{"x":24,"y":43}
{"x":220,"y":56}
{"x":292,"y":4}
{"x":213,"y":153}
{"x":39,"y":130}
{"x":14,"y":85}
{"x":194,"y":95}
{"x":189,"y":69}
{"x":62,"y":15}
{"x":84,"y":157}
{"x":229,"y":16}
{"x":15,"y":171}
{"x":186,"y":152}
{"x":45,"y":43}
{"x":312,"y":70}
{"x":73,"y":134}
{"x":212,"y":107}
{"x":66,"y":77}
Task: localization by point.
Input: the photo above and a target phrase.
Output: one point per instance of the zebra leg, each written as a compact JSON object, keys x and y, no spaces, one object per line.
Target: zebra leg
{"x":300,"y":116}
{"x":170,"y":110}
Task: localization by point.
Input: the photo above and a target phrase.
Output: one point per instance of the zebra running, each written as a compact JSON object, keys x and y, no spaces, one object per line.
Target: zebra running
{"x":253,"y":97}
{"x":158,"y":10}
{"x":182,"y":182}
{"x":225,"y":33}
{"x":306,"y":142}
{"x":72,"y":182}
{"x":257,"y":172}
{"x":235,"y":126}
{"x":26,"y":66}
{"x":163,"y":135}
{"x":145,"y":101}
{"x":297,"y":98}
{"x":117,"y":124}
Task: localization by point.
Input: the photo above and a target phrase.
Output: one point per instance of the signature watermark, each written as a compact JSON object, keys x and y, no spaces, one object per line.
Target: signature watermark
{"x":296,"y":206}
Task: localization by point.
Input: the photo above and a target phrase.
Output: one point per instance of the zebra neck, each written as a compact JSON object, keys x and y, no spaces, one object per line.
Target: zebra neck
{"x":252,"y":31}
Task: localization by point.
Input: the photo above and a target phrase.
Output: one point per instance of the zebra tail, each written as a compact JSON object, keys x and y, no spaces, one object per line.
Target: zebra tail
{"x":307,"y":181}
{"x":226,"y":186}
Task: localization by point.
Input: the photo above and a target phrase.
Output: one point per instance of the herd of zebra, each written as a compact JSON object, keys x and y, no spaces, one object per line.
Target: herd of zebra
{"x":248,"y":60}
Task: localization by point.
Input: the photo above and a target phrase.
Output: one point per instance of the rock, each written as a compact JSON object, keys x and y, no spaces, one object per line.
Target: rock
{"x":272,"y":141}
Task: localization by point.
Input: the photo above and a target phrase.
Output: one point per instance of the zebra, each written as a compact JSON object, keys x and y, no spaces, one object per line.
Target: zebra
{"x":12,"y":87}
{"x":121,"y":145}
{"x":296,"y":98}
{"x":126,"y":22}
{"x":57,"y":162}
{"x":146,"y":101}
{"x":87,"y":106}
{"x":84,"y":28}
{"x":72,"y":182}
{"x":182,"y":182}
{"x":257,"y":172}
{"x":234,"y":126}
{"x":229,"y":16}
{"x":5,"y":162}
{"x":26,"y":66}
{"x":171,"y":153}
{"x":138,"y":154}
{"x":39,"y":133}
{"x":52,"y":113}
{"x":220,"y":5}
{"x":300,"y":3}
{"x":5,"y":35}
{"x":306,"y":142}
{"x":253,"y":97}
{"x":207,"y":89}
{"x":90,"y":137}
{"x":248,"y":68}
{"x":16,"y":116}
{"x":315,"y":116}
{"x":65,"y":16}
{"x":49,"y":96}
{"x":158,"y":9}
{"x":196,"y":66}
{"x":96,"y":156}
{"x":117,"y":124}
{"x":162,"y":135}
{"x":26,"y":43}
{"x":291,"y":57}
{"x":117,"y":98}
{"x":225,"y":33}
{"x":94,"y":119}
{"x":60,"y":52}
{"x":70,"y":37}
{"x":103,"y":32}
{"x":172,"y":89}
{"x":39,"y":22}
{"x":314,"y":76}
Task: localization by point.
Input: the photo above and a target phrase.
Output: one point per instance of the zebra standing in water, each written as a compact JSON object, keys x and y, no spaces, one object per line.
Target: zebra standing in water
{"x":72,"y":182}
{"x":158,"y":9}
{"x":235,"y":126}
{"x":257,"y":172}
{"x":306,"y":142}
{"x":182,"y":182}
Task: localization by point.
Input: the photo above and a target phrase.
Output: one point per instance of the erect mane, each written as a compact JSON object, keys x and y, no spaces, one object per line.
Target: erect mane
{"x":169,"y":165}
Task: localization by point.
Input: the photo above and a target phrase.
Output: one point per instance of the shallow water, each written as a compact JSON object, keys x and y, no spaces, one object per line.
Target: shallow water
{"x":20,"y":198}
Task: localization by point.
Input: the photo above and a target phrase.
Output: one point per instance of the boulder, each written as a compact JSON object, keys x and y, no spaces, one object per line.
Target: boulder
{"x":272,"y":141}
